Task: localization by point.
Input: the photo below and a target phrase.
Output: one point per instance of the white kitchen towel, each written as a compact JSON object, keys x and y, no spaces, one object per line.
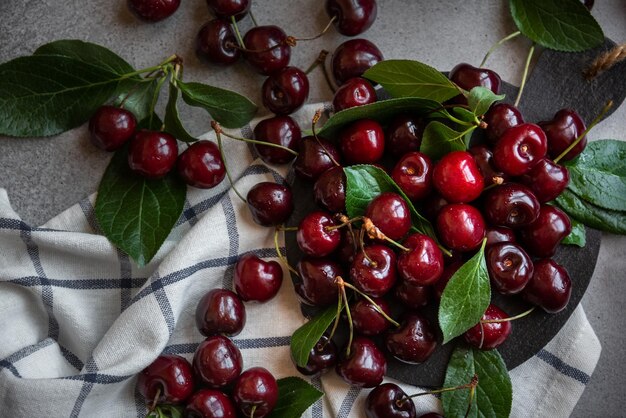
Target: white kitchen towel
{"x":79,"y":319}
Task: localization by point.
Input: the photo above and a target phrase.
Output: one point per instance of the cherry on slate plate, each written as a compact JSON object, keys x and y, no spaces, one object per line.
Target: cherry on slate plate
{"x":352,"y":58}
{"x":404,"y":135}
{"x":487,"y":336}
{"x":330,"y":190}
{"x":153,"y":10}
{"x":457,"y":177}
{"x":317,"y":286}
{"x":390,"y":214}
{"x":542,"y":237}
{"x":314,"y":158}
{"x":413,"y":296}
{"x":279,"y":130}
{"x":210,"y":403}
{"x":499,"y":118}
{"x":362,"y":142}
{"x":365,"y":366}
{"x":509,"y":267}
{"x":414,"y":341}
{"x":257,"y":280}
{"x":467,"y":77}
{"x":267,"y":49}
{"x":170,"y":375}
{"x":377,"y":277}
{"x":321,"y":357}
{"x":498,"y":234}
{"x":389,"y":401}
{"x":546,"y":179}
{"x":201,"y":165}
{"x":217,"y":362}
{"x":215,"y":41}
{"x":366,"y":318}
{"x":352,"y":16}
{"x":519,"y":149}
{"x":413,"y":174}
{"x":422,"y":265}
{"x":511,"y":205}
{"x":270,"y":203}
{"x":461,"y":227}
{"x":550,"y":287}
{"x":220,"y":311}
{"x":562,"y":131}
{"x":285,"y":91}
{"x":152,"y":154}
{"x":255,"y":388}
{"x":314,"y":236}
{"x":110,"y":127}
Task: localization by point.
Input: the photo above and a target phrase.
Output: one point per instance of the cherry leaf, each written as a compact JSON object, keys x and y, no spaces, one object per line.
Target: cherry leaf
{"x":439,"y":139}
{"x":173,"y":124}
{"x":591,"y":215}
{"x":578,"y":235}
{"x":295,"y":396}
{"x":304,"y":338}
{"x":480,"y":100}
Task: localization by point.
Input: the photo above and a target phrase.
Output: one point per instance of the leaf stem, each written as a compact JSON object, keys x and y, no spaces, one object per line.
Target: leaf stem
{"x":281,"y":257}
{"x":374,"y":304}
{"x":524,"y":75}
{"x":219,"y":145}
{"x":497,"y":45}
{"x":161,"y":66}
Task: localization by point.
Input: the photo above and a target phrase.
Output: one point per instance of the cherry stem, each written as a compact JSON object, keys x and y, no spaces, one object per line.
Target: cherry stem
{"x":287,"y":228}
{"x":216,"y":126}
{"x":362,"y":244}
{"x":374,"y":304}
{"x":482,"y":335}
{"x":342,"y":289}
{"x":338,"y":280}
{"x":595,"y":121}
{"x":497,"y":181}
{"x":281,"y":257}
{"x":252,"y":18}
{"x":321,"y":59}
{"x":344,"y":223}
{"x":471,"y":398}
{"x":237,"y":33}
{"x":512,"y":318}
{"x":375,"y":233}
{"x":498,"y":44}
{"x":218,"y":132}
{"x":316,"y":118}
{"x":156,"y":399}
{"x":252,"y":411}
{"x":319,"y":35}
{"x":524,"y":75}
{"x":472,"y":384}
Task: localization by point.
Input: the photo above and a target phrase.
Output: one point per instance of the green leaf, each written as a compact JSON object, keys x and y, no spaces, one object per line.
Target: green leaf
{"x":382,"y":112}
{"x":295,"y":396}
{"x":138,"y":98}
{"x":173,"y":125}
{"x":230,"y":109}
{"x":480,"y":100}
{"x":134,"y":213}
{"x":591,"y":215}
{"x":439,"y":139}
{"x":578,"y":236}
{"x":44,"y":95}
{"x":563,"y":25}
{"x":405,"y":78}
{"x":304,"y":338}
{"x":365,"y":182}
{"x":167,"y":411}
{"x":494,"y":393}
{"x":465,"y":298}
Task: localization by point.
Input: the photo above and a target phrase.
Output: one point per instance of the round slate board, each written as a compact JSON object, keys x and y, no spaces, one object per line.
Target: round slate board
{"x":556,"y":82}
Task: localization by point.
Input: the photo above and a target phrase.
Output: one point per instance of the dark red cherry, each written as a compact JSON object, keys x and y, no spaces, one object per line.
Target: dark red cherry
{"x":484,"y":159}
{"x":201,"y":165}
{"x":431,"y":415}
{"x":457,"y":177}
{"x":499,"y":118}
{"x":255,"y":390}
{"x":365,"y":366}
{"x":110,"y":127}
{"x":413,"y":173}
{"x":461,"y":227}
{"x":412,"y":296}
{"x":404,"y":135}
{"x":389,"y":401}
{"x":467,"y":77}
{"x":217,"y":362}
{"x":355,"y":92}
{"x":317,"y":284}
{"x":541,"y":237}
{"x":225,"y":9}
{"x":268,"y":51}
{"x":348,"y":248}
{"x":257,"y":280}
{"x":220,"y":311}
{"x":322,"y":357}
{"x":512,"y":205}
{"x":352,"y":58}
{"x":546,"y":179}
{"x":366,"y":318}
{"x":390,"y":213}
{"x":152,"y":154}
{"x":447,"y":274}
{"x":315,"y":156}
{"x":270,"y":203}
{"x":432,"y":205}
{"x":509,"y":267}
{"x":210,"y":403}
{"x":362,"y":142}
{"x":562,"y":131}
{"x":170,"y":376}
{"x":316,"y":235}
{"x":422,"y":265}
{"x":414,"y":341}
{"x":550,"y":287}
{"x":498,"y":234}
{"x":216,"y":43}
{"x":153,"y":10}
{"x":519,"y":149}
{"x":330,"y":190}
{"x":487,"y":336}
{"x":285,"y":91}
{"x":279,"y":130}
{"x":352,"y":16}
{"x":374,"y":276}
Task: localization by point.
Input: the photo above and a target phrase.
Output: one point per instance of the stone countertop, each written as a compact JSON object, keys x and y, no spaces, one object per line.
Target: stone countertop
{"x":44,"y":176}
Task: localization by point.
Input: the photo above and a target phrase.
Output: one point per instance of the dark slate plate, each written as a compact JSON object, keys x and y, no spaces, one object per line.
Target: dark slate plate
{"x":556,"y":82}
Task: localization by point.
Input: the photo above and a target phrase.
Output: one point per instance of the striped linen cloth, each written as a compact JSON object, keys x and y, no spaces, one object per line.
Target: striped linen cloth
{"x":79,"y":319}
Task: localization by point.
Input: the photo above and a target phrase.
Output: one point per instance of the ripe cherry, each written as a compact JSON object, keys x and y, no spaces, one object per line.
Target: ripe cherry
{"x":152,"y":154}
{"x":511,"y":205}
{"x":362,"y":142}
{"x":322,"y":357}
{"x":153,"y":10}
{"x":404,"y":135}
{"x":355,"y":92}
{"x":365,"y":366}
{"x":412,"y":296}
{"x":562,"y":131}
{"x":170,"y":376}
{"x":375,"y":274}
{"x":348,"y":248}
{"x":352,"y":16}
{"x":314,"y":158}
{"x":499,"y":118}
{"x":225,"y":9}
{"x":318,"y":281}
{"x":270,"y":203}
{"x":201,"y":165}
{"x":256,"y":279}
{"x":389,"y":401}
{"x":457,"y":177}
{"x":414,"y":341}
{"x":467,"y":77}
{"x":316,"y":236}
{"x":267,"y":49}
{"x":487,"y":336}
{"x":330,"y":190}
{"x":390,"y":213}
{"x":210,"y":403}
{"x":279,"y":130}
{"x":215,"y":43}
{"x":422,"y":265}
{"x":255,"y":390}
{"x":484,"y":159}
{"x":509,"y":267}
{"x":220,"y":311}
{"x":413,"y":173}
{"x":546,"y":179}
{"x":352,"y":58}
{"x":285,"y":91}
{"x":542,"y":237}
{"x":432,"y":205}
{"x":519,"y":149}
{"x":110,"y":127}
{"x":550,"y":287}
{"x":217,"y":362}
{"x":498,"y":234}
{"x":366,"y":318}
{"x":461,"y":227}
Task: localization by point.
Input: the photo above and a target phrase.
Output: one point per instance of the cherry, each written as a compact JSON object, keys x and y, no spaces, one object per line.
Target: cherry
{"x":210,"y":403}
{"x":390,"y":213}
{"x":152,"y":154}
{"x":352,"y":16}
{"x":414,"y":341}
{"x":374,"y":276}
{"x":317,"y":286}
{"x":431,"y":415}
{"x":315,"y":236}
{"x":467,"y":77}
{"x":499,"y":118}
{"x":330,"y":190}
{"x":389,"y":401}
{"x":355,"y":92}
{"x":461,"y":227}
{"x":562,"y":131}
{"x":347,"y":248}
{"x":509,"y":267}
{"x":404,"y":135}
{"x":484,"y":159}
{"x":153,"y":10}
{"x":422,"y":265}
{"x":365,"y":366}
{"x":362,"y":142}
{"x":519,"y":149}
{"x":267,"y":49}
{"x":255,"y":393}
{"x":498,"y":234}
{"x":215,"y":43}
{"x":487,"y":336}
{"x":270,"y":203}
{"x":321,"y":357}
{"x":546,"y":179}
{"x":110,"y":127}
{"x":511,"y":205}
{"x":285,"y":91}
{"x":412,"y":296}
{"x":413,"y":173}
{"x":550,"y":287}
{"x":432,"y":205}
{"x":457,"y":177}
{"x":314,"y":158}
{"x":170,"y":376}
{"x":225,"y":9}
{"x":542,"y":237}
{"x":280,"y":130}
{"x":220,"y":311}
{"x":447,"y":274}
{"x":352,"y":58}
{"x":217,"y":362}
{"x":366,"y":319}
{"x":256,"y":279}
{"x":201,"y":165}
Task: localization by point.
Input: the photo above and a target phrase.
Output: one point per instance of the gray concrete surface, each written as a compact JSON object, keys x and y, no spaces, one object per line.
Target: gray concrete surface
{"x":45,"y":176}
